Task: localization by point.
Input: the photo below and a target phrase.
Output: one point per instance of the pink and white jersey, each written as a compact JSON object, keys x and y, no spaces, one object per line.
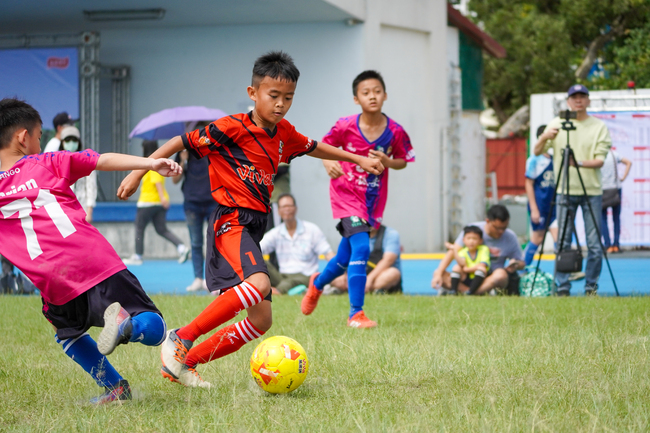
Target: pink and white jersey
{"x":43,"y":228}
{"x":358,"y":193}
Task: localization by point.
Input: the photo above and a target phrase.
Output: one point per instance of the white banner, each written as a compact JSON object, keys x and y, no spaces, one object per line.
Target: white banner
{"x":630,"y":132}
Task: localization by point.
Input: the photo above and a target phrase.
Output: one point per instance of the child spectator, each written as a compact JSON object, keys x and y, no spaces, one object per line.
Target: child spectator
{"x":152,"y":206}
{"x":540,"y":187}
{"x":83,"y":282}
{"x":85,"y":188}
{"x":244,"y":151}
{"x":358,"y":199}
{"x":611,"y":180}
{"x":472,"y":262}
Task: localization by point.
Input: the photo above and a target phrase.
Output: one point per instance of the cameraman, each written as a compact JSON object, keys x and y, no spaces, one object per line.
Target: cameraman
{"x":590,"y":142}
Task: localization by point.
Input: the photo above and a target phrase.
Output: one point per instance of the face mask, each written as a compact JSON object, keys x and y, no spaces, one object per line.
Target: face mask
{"x":72,"y":146}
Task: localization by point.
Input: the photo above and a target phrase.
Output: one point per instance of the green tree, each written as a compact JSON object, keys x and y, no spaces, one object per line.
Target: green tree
{"x":553,"y":43}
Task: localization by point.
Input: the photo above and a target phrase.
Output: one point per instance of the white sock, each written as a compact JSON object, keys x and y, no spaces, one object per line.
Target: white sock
{"x":181,"y":248}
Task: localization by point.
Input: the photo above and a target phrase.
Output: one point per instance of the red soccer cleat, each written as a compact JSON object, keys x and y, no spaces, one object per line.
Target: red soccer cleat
{"x":360,"y":320}
{"x":310,"y":300}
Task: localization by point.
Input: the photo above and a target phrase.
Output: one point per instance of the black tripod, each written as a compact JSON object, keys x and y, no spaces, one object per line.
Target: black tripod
{"x":567,"y":157}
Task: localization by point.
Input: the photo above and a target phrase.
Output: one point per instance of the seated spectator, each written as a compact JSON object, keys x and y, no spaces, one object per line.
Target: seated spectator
{"x":503,"y":245}
{"x":384,"y":268}
{"x":472,"y":262}
{"x":297,"y":245}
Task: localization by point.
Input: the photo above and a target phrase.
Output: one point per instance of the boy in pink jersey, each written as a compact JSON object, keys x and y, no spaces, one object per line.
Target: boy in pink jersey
{"x":359,"y":198}
{"x":82,"y":280}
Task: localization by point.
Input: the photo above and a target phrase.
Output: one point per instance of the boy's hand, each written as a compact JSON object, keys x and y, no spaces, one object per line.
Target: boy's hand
{"x":166,"y":167}
{"x":129,"y":186}
{"x":333,"y":168}
{"x":550,"y":134}
{"x":371,"y":165}
{"x":381,"y":156}
{"x":534,"y":216}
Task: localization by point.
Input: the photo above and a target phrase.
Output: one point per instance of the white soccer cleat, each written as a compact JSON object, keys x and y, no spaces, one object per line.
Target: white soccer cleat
{"x":189,"y":377}
{"x":173,"y":352}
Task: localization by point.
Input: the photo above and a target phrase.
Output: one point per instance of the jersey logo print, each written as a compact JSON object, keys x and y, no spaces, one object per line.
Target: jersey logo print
{"x":24,"y":209}
{"x":251,"y":173}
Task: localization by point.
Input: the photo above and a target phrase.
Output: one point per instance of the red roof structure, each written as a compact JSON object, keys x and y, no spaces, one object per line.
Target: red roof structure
{"x":458,"y":20}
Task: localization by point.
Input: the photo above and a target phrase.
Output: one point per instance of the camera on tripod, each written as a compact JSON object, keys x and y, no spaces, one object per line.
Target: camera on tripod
{"x":567,"y":115}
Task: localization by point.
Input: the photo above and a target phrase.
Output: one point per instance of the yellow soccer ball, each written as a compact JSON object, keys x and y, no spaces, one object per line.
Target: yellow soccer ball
{"x":279,"y":365}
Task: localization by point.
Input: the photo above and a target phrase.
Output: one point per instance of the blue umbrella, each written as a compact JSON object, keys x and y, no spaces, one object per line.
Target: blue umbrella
{"x":171,"y":122}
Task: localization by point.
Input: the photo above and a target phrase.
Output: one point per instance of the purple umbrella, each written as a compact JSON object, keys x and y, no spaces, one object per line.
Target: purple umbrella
{"x":169,"y":123}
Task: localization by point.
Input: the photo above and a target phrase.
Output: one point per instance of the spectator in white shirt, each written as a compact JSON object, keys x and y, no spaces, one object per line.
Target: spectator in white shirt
{"x":611,"y":179}
{"x":59,"y":122}
{"x":297,"y":245}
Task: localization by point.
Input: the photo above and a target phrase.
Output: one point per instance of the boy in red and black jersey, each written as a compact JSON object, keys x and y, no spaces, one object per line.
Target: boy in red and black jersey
{"x":244,"y":151}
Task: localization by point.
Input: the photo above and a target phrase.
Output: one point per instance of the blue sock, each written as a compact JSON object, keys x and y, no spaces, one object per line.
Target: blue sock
{"x":357,"y":271}
{"x":83,"y":351}
{"x":529,"y":253}
{"x":148,"y":328}
{"x":336,"y":266}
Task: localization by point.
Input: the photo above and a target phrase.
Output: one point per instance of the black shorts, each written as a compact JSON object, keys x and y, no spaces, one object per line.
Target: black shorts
{"x":349,"y":226}
{"x":75,"y":317}
{"x":233,"y":250}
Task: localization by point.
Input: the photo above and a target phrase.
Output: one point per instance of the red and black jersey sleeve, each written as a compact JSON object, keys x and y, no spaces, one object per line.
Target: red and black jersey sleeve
{"x":202,"y":141}
{"x":296,"y":145}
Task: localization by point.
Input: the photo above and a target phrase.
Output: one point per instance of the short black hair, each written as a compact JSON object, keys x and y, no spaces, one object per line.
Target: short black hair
{"x":277,"y":65}
{"x":286,"y":194}
{"x":498,"y":212}
{"x":473,"y":229}
{"x":149,"y":147}
{"x":16,"y":114}
{"x":367,"y":75}
{"x":540,"y":130}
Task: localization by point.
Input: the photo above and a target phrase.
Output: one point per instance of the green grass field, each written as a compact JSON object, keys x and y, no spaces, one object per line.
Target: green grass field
{"x":433,"y":364}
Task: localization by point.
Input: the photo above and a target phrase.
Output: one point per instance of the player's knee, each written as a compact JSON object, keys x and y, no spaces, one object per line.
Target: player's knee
{"x":261,"y":322}
{"x":456,"y":268}
{"x":261,"y":282}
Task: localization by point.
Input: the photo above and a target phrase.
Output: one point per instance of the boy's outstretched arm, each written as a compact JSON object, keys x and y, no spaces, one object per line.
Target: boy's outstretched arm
{"x":130,"y":183}
{"x":325,"y":151}
{"x":121,"y":162}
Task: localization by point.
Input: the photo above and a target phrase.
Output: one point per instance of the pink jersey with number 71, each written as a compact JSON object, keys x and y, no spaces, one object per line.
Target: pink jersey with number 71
{"x":43,"y":228}
{"x":358,"y":193}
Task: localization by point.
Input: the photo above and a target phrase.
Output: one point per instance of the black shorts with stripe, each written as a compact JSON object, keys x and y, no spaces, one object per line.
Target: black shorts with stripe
{"x":75,"y":317}
{"x":349,"y":226}
{"x":233,"y":250}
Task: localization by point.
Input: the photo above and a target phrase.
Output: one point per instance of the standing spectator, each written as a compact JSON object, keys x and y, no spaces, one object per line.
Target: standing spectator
{"x":198,"y":205}
{"x":152,"y":206}
{"x":611,"y":180}
{"x":60,"y":121}
{"x":540,"y":188}
{"x":85,"y":188}
{"x":384,"y":267}
{"x":590,"y":142}
{"x":503,"y":245}
{"x":297,"y":244}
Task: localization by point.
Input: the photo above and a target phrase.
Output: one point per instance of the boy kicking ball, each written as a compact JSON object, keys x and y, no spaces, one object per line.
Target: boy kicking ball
{"x":244,"y":152}
{"x":82,"y":280}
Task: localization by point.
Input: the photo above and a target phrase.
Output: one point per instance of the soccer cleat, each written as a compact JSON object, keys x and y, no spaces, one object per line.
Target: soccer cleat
{"x":119,"y":392}
{"x":188,"y":377}
{"x":117,"y":329}
{"x":197,"y":285}
{"x":359,"y":320}
{"x":310,"y":300}
{"x":173,"y":353}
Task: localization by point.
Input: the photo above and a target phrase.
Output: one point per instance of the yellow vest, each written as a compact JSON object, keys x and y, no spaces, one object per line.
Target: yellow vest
{"x":482,"y":256}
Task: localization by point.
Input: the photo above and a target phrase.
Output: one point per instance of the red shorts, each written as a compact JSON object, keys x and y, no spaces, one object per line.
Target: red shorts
{"x":233,"y":250}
